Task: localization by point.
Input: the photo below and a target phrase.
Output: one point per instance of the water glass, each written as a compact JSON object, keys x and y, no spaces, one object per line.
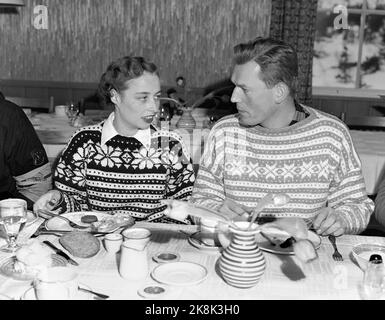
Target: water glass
{"x":374,"y":281}
{"x":13,"y":216}
{"x":72,"y":111}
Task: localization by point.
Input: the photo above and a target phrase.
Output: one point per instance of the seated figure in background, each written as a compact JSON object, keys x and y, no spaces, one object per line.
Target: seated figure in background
{"x":123,"y":165}
{"x":379,"y":210}
{"x":277,"y":145}
{"x":25,"y":172}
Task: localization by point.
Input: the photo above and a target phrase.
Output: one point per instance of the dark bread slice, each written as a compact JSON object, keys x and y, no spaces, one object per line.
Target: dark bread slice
{"x":89,"y":218}
{"x":80,"y":244}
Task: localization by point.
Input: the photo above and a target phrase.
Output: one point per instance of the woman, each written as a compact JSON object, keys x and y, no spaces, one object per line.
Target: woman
{"x":123,"y":164}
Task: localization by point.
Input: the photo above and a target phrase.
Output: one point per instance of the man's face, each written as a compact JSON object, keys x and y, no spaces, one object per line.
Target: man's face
{"x":255,"y":102}
{"x":137,"y":105}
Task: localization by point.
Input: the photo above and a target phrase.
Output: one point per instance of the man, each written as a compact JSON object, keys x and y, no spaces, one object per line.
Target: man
{"x":123,"y":165}
{"x":25,"y":172}
{"x":380,"y":203}
{"x":276,"y":145}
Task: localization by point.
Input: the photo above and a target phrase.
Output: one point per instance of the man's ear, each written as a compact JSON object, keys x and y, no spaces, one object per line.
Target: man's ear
{"x":114,"y":96}
{"x":281,"y":91}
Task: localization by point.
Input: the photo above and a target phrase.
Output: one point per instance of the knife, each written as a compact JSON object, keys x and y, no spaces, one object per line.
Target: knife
{"x":61,"y":253}
{"x":68,"y":231}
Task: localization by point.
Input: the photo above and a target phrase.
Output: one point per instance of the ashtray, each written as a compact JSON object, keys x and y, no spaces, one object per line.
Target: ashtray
{"x":154,"y":291}
{"x":164,"y":257}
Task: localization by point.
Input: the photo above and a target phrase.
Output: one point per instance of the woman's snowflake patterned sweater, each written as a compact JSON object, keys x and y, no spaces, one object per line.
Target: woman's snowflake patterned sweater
{"x":123,"y":176}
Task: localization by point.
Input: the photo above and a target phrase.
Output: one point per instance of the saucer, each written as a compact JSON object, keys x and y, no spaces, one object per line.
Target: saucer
{"x":81,"y":295}
{"x":196,"y":242}
{"x":179,"y":273}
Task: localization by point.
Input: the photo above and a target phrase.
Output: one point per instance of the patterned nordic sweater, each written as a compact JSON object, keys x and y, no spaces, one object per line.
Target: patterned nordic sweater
{"x":123,"y":176}
{"x":313,"y":161}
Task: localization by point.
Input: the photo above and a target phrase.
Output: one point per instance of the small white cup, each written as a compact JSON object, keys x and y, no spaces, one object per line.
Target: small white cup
{"x":208,"y":231}
{"x":56,"y":283}
{"x":112,"y":242}
{"x":61,"y":110}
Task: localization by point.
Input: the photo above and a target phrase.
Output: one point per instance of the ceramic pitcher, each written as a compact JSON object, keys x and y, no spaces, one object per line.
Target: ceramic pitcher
{"x":242,"y":263}
{"x":133,"y":260}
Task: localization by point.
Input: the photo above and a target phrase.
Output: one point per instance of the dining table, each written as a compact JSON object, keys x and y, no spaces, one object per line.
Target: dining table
{"x":285,"y":276}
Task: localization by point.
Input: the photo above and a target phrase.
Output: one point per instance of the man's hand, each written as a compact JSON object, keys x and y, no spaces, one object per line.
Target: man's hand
{"x":328,"y":222}
{"x":234,"y":211}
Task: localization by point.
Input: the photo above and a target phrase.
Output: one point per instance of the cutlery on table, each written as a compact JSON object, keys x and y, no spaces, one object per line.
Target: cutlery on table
{"x":98,"y":294}
{"x":277,"y":199}
{"x":71,"y":223}
{"x":197,"y":239}
{"x":336,"y":255}
{"x":59,"y":233}
{"x":61,"y":253}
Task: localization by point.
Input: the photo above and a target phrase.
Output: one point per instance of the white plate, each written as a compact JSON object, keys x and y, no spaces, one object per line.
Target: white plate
{"x":265,"y":245}
{"x":194,"y":241}
{"x":59,"y":224}
{"x":179,"y":273}
{"x":82,"y":295}
{"x":31,"y":218}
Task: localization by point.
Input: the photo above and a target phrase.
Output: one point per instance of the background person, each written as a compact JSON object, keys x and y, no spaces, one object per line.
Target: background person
{"x":25,"y":172}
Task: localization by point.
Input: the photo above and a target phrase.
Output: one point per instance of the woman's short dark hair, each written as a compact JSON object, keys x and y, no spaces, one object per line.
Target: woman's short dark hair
{"x":278,"y":61}
{"x":119,"y":72}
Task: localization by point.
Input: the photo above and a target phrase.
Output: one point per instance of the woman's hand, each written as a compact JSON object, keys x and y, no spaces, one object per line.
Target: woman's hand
{"x":48,"y":201}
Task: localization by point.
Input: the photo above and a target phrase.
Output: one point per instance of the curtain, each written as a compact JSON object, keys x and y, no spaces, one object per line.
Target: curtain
{"x":294,"y":21}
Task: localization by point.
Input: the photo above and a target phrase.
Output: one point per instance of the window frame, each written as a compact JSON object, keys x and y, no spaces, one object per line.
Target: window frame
{"x":364,"y":11}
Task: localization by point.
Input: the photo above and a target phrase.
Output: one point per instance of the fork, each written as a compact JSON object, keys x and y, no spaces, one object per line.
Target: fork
{"x":336,"y":255}
{"x":71,"y":223}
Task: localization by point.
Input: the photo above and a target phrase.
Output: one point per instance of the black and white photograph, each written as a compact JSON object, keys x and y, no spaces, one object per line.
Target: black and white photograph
{"x":192,"y":156}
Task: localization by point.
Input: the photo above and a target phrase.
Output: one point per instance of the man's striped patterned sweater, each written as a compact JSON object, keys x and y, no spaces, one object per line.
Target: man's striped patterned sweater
{"x":122,"y":176}
{"x":313,"y":161}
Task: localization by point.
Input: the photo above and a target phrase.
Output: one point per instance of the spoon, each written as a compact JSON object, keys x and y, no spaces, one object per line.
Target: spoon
{"x":100,"y":295}
{"x":278,"y":200}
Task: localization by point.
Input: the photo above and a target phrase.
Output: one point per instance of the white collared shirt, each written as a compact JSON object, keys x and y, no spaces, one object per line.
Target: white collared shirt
{"x":109,"y":131}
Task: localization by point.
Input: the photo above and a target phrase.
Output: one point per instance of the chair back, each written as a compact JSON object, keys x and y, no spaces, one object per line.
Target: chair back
{"x":33,"y":103}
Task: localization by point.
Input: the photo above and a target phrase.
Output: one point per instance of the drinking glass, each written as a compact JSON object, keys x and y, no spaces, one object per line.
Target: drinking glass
{"x":72,"y":111}
{"x":13,"y":216}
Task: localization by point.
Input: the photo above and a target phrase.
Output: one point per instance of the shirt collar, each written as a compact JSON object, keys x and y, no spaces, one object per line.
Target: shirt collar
{"x":109,"y":132}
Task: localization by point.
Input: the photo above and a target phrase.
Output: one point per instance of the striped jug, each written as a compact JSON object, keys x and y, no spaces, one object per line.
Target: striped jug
{"x":242,"y":263}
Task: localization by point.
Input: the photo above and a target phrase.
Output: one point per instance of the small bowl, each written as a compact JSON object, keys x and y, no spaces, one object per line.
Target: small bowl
{"x":165,"y":257}
{"x":363,"y":251}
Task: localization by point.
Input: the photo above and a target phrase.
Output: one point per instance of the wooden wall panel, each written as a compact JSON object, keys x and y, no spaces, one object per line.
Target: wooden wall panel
{"x":193,"y":38}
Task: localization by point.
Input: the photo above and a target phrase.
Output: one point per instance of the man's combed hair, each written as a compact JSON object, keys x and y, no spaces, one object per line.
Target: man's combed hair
{"x":119,"y":72}
{"x":278,"y":61}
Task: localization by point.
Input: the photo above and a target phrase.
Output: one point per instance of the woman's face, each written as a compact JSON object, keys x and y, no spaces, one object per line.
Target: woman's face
{"x":137,"y":105}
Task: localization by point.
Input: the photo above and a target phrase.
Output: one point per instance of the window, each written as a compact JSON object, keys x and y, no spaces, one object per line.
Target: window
{"x":353,"y":55}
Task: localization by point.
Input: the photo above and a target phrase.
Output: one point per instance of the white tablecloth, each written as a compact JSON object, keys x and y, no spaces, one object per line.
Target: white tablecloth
{"x":285,"y":276}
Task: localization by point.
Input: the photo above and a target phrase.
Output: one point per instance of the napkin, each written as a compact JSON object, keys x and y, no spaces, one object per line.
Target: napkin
{"x":15,"y":289}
